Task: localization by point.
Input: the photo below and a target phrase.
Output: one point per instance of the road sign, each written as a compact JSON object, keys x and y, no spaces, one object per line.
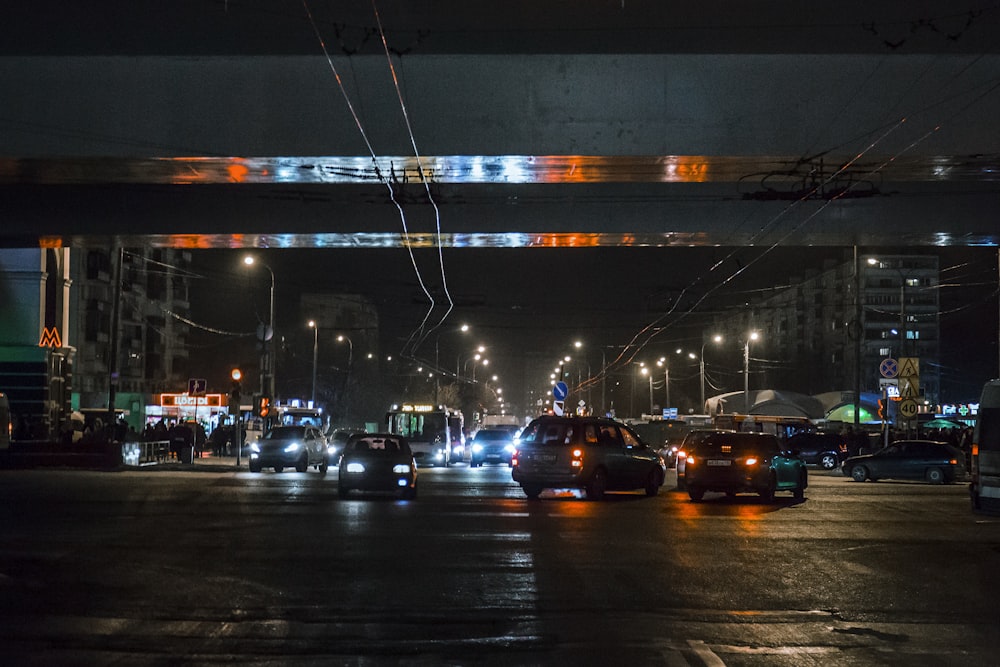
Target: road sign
{"x":907,"y":408}
{"x":888,"y":368}
{"x":197,"y":386}
{"x":559,"y":391}
{"x":558,"y":408}
{"x":909,"y":366}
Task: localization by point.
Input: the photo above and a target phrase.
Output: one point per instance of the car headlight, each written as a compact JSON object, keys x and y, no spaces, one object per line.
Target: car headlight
{"x":254,"y":447}
{"x":509,"y":449}
{"x":752,"y":461}
{"x":401,"y":469}
{"x":294,"y":447}
{"x":477,"y":448}
{"x":355,"y":467}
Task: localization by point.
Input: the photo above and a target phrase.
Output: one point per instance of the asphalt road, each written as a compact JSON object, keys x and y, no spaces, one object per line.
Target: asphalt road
{"x":204,"y":565}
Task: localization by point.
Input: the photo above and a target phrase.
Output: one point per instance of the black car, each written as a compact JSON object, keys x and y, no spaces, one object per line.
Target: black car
{"x":735,"y":462}
{"x":492,"y":445}
{"x":689,"y":447}
{"x":827,"y":450}
{"x":588,"y":453}
{"x":935,"y":462}
{"x":378,"y":462}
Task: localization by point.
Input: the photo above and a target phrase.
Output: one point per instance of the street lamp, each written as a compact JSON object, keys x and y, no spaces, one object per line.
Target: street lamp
{"x":267,"y":357}
{"x":459,"y":368}
{"x":315,"y":328}
{"x":662,"y":361}
{"x":350,"y":350}
{"x":701,"y":366}
{"x":746,"y":370}
{"x":646,"y":371}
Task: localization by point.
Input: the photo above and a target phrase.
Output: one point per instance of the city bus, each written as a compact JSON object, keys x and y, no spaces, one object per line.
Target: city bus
{"x":435,"y":432}
{"x":985,"y":486}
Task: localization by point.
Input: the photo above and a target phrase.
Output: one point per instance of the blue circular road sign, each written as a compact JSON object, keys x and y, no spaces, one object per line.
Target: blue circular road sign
{"x":559,"y":391}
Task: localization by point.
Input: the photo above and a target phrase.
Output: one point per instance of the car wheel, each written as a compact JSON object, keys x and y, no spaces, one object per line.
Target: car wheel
{"x":859,"y":473}
{"x":302,"y":464}
{"x":254,"y":466}
{"x":767,"y":493}
{"x":828,"y":461}
{"x":653,"y":483}
{"x":324,"y":465}
{"x":935,"y":476}
{"x":696,"y":493}
{"x":278,"y":468}
{"x":597,"y":485}
{"x":531,"y":491}
{"x":799,"y":493}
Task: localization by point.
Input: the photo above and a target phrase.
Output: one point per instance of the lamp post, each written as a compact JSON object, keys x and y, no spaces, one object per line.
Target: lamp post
{"x":315,"y":328}
{"x":267,"y":357}
{"x":350,"y":350}
{"x":662,"y":361}
{"x":701,"y":367}
{"x":459,"y":368}
{"x":646,"y":371}
{"x":746,"y":370}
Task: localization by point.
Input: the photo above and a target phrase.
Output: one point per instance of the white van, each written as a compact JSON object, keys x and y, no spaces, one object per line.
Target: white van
{"x":985,"y":487}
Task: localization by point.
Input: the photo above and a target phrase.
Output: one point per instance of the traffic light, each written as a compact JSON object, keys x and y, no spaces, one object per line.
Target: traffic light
{"x":262,"y":406}
{"x":234,"y":393}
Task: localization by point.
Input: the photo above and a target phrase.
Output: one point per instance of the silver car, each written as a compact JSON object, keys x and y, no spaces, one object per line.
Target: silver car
{"x":294,"y":446}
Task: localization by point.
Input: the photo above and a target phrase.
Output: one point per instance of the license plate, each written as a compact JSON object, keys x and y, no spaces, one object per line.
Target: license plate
{"x":718,"y":462}
{"x":545,"y":458}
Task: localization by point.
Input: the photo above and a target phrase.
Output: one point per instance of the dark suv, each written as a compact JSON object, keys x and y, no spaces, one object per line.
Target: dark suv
{"x":589,"y":453}
{"x":827,"y":450}
{"x":735,"y":462}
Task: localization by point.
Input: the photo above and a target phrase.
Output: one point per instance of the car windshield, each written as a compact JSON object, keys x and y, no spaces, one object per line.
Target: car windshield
{"x":547,"y":433}
{"x":390,"y":445}
{"x":285,"y":433}
{"x":492,"y":435}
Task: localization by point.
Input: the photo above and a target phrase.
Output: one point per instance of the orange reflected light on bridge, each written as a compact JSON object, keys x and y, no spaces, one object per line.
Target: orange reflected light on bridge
{"x":237,"y":172}
{"x":50,"y":242}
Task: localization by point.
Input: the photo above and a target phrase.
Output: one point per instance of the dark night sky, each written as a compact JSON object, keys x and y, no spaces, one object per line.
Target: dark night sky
{"x":535,"y":302}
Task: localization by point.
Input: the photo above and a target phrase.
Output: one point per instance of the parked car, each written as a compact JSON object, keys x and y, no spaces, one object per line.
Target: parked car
{"x":935,"y":462}
{"x":688,"y":448}
{"x":736,"y":462}
{"x":378,"y":462}
{"x":493,"y":445}
{"x":827,"y":450}
{"x":293,"y":446}
{"x":590,"y":453}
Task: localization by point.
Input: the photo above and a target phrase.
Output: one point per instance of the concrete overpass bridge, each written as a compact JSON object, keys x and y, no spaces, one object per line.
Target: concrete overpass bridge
{"x":358,"y":124}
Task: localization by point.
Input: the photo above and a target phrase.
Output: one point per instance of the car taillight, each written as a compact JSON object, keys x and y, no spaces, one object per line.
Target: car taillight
{"x":513,"y":458}
{"x":953,"y":462}
{"x":577,"y":458}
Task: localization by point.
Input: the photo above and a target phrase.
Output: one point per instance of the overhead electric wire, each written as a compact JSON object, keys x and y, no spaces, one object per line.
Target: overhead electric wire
{"x":423,"y":178}
{"x":371,"y":151}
